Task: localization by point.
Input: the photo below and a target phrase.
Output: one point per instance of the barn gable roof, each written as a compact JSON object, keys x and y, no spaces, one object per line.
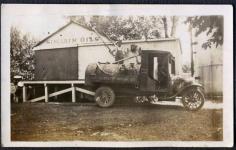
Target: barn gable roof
{"x":63,"y":27}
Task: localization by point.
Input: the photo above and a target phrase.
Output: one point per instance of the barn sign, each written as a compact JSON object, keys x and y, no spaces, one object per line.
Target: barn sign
{"x":70,"y":35}
{"x":82,"y":39}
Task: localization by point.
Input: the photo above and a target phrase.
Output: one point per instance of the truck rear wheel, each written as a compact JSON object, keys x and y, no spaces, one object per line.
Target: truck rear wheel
{"x":104,"y":96}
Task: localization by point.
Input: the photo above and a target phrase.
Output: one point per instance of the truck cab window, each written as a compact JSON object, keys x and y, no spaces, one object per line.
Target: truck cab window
{"x":155,"y":68}
{"x":172,"y":66}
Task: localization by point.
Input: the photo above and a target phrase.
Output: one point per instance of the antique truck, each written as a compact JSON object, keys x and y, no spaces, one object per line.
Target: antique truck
{"x":153,"y":77}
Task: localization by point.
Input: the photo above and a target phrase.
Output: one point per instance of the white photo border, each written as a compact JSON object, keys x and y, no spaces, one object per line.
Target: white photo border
{"x":10,"y":11}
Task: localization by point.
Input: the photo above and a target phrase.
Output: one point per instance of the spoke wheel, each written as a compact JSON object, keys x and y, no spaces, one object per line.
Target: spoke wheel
{"x":104,"y":97}
{"x":193,"y":99}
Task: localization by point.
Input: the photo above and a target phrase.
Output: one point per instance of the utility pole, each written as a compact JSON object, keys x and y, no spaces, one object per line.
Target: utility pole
{"x":191,"y":41}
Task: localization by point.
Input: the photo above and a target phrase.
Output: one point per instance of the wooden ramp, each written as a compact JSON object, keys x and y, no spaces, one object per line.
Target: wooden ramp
{"x":75,"y":86}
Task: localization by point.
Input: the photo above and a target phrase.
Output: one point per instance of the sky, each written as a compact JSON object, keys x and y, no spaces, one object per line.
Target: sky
{"x":39,"y":26}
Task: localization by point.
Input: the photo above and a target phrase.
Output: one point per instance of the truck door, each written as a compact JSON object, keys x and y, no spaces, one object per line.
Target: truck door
{"x":147,"y":71}
{"x":163,"y":72}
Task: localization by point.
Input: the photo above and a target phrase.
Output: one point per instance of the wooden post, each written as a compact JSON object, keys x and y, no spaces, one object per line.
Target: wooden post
{"x":46,"y":92}
{"x":73,"y":93}
{"x":24,"y":93}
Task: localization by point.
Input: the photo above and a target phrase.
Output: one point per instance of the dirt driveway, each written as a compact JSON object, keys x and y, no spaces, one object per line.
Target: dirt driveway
{"x":67,"y":121}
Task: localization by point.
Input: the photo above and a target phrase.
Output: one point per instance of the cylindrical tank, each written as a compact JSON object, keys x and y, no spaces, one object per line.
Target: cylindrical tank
{"x":112,"y":74}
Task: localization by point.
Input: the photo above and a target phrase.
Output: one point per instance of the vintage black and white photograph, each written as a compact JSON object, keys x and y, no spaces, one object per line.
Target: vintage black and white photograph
{"x":117,"y":73}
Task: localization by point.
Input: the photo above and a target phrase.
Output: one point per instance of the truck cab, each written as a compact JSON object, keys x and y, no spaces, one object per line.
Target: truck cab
{"x":156,"y":70}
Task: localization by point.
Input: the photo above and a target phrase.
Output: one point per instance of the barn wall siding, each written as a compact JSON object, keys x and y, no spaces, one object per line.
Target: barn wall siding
{"x":57,"y":64}
{"x":92,"y":54}
{"x":71,"y":63}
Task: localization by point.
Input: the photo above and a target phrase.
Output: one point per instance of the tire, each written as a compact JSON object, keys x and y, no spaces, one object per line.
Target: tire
{"x":193,"y":99}
{"x":104,"y":97}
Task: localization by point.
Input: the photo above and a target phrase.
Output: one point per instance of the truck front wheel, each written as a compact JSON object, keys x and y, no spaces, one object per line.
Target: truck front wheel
{"x":104,"y":96}
{"x":193,"y":99}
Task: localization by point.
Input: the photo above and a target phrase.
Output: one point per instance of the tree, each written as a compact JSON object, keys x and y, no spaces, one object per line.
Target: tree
{"x":212,"y":25}
{"x":80,"y":19}
{"x":174,"y":20}
{"x":125,"y":28}
{"x":21,"y":54}
{"x":164,"y":20}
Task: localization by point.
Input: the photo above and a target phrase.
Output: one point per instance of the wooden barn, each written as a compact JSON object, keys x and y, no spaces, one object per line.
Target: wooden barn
{"x":65,"y":54}
{"x":60,"y":55}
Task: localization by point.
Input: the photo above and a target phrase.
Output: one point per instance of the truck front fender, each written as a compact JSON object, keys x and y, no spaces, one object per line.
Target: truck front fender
{"x":193,"y":85}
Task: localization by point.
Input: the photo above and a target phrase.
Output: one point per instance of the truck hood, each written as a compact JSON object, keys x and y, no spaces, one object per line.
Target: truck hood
{"x":179,"y":82}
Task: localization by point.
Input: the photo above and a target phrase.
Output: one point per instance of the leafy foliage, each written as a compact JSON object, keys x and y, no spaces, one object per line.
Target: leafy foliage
{"x":212,"y":25}
{"x":126,"y":28}
{"x":21,"y":54}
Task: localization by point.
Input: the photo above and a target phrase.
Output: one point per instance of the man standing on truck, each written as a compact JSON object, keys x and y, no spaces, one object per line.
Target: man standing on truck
{"x":134,"y":51}
{"x":119,"y":52}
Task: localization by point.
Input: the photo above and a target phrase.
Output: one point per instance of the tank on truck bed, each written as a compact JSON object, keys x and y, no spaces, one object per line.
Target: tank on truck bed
{"x":112,"y":74}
